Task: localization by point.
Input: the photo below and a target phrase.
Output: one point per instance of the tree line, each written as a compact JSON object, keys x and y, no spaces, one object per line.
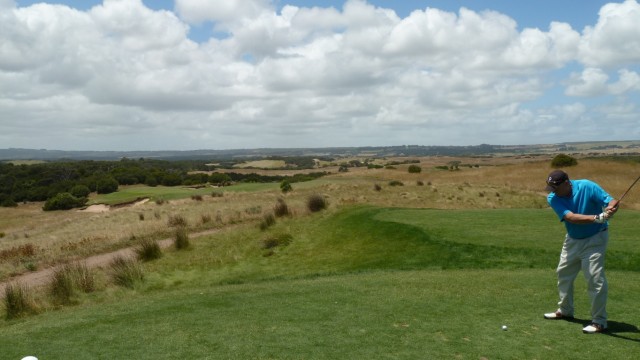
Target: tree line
{"x":77,"y":179}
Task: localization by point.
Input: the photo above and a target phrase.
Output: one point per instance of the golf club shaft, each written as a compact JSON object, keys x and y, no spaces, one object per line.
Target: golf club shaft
{"x":626,"y":192}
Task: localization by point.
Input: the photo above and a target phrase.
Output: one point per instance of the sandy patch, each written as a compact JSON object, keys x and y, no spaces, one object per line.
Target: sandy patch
{"x":138,"y":203}
{"x":98,"y":208}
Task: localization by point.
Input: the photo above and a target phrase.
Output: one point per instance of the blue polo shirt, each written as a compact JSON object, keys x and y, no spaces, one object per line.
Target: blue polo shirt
{"x":587,"y":198}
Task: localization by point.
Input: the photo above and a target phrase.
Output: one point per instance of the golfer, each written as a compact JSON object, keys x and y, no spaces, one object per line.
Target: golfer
{"x":584,"y":208}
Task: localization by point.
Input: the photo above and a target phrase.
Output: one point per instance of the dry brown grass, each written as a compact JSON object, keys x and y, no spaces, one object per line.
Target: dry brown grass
{"x":509,"y":182}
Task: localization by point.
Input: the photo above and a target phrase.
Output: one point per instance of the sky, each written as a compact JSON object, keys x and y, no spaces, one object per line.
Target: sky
{"x":127,"y":75}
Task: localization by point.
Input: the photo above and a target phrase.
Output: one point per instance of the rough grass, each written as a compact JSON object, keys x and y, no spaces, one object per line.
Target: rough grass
{"x":390,"y":279}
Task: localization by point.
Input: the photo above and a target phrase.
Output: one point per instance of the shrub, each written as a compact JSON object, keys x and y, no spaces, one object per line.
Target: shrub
{"x":196,"y":197}
{"x":414,"y":169}
{"x":107,"y":185}
{"x":181,"y":239}
{"x":80,"y":191}
{"x":8,"y":202}
{"x":217,"y":194}
{"x":268,"y":221}
{"x":281,"y":209}
{"x":148,"y":250}
{"x":126,"y":272}
{"x":377,"y":187}
{"x":396,"y":183}
{"x":63,"y":201}
{"x":316,"y":203}
{"x":18,"y":301}
{"x":563,"y":160}
{"x":285,"y":186}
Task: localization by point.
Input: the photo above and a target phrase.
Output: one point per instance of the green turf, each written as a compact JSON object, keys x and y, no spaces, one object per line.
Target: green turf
{"x":361,"y":283}
{"x":132,"y":193}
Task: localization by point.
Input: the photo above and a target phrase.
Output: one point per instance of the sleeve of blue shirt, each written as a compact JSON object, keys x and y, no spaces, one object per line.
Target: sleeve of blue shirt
{"x":587,"y":198}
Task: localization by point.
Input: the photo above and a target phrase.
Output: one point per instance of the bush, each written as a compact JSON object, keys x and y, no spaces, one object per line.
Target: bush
{"x":63,"y":201}
{"x":414,"y":169}
{"x":18,"y":301}
{"x":377,"y":187}
{"x":126,"y":272}
{"x":107,"y":185}
{"x":8,"y":202}
{"x":316,"y":203}
{"x":396,"y":183}
{"x":148,"y":250}
{"x":563,"y":160}
{"x":80,"y":191}
{"x":285,"y":186}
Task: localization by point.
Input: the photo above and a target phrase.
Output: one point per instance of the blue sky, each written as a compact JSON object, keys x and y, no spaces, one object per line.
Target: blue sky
{"x":191,"y":74}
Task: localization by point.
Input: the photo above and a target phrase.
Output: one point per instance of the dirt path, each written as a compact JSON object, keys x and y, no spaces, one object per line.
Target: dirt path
{"x":42,"y":277}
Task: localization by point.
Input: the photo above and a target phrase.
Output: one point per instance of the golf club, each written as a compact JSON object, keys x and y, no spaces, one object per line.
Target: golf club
{"x":626,"y":192}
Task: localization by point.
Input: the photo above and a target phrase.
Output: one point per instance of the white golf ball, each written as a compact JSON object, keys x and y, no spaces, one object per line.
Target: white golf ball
{"x":504,"y":327}
{"x":29,"y":358}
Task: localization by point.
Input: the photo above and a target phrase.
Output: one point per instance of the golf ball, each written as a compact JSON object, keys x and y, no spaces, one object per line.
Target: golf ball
{"x":29,"y":358}
{"x":504,"y":327}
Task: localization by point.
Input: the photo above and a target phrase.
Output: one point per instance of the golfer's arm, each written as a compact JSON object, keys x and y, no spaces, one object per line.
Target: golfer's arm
{"x":578,"y":218}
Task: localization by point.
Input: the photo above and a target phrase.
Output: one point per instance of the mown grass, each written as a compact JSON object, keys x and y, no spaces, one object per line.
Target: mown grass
{"x":362,"y":282}
{"x":127,"y":194}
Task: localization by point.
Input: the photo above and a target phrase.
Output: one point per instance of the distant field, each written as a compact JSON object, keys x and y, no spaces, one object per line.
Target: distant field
{"x":263,"y":164}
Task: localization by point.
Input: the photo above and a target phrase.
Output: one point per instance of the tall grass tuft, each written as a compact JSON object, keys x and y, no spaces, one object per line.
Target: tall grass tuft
{"x":181,"y":240}
{"x":316,"y":203}
{"x":126,"y":272}
{"x":268,"y":221}
{"x":281,"y":208}
{"x":61,"y":288}
{"x":177,"y":221}
{"x":18,"y":301}
{"x":67,"y":280}
{"x":148,"y":250}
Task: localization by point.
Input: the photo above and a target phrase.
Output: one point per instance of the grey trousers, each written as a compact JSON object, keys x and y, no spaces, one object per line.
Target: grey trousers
{"x":586,"y":255}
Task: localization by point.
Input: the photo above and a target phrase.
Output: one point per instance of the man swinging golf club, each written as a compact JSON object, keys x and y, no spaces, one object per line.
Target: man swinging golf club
{"x":579,"y":204}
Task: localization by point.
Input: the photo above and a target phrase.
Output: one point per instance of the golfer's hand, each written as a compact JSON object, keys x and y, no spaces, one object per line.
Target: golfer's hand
{"x":601,"y":218}
{"x":612,"y":208}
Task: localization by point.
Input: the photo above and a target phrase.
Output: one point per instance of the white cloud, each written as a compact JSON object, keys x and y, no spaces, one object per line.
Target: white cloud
{"x":359,"y":75}
{"x":595,"y":82}
{"x":615,"y":39}
{"x":591,"y":82}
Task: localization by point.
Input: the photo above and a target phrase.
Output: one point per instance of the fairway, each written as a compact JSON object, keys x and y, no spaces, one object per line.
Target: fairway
{"x":379,"y":315}
{"x":360,"y":283}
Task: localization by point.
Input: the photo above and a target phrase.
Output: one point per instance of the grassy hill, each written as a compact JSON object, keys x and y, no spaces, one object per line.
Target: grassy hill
{"x":429,"y":270}
{"x":363,"y":282}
